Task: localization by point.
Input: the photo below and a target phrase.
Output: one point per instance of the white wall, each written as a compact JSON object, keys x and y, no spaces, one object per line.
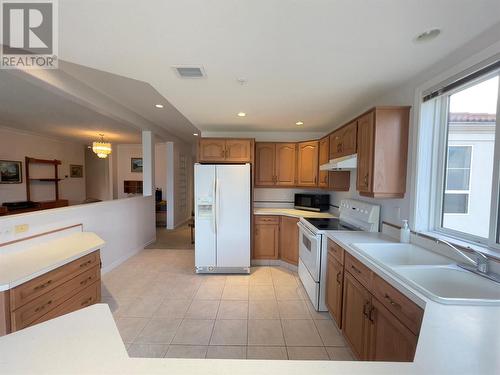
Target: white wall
{"x":98,"y":179}
{"x":124,"y":154}
{"x":16,"y":145}
{"x":161,"y":168}
{"x":127,"y":225}
{"x":180,"y":176}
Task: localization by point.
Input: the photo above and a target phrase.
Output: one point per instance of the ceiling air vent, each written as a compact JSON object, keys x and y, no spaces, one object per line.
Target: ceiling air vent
{"x":190,"y":71}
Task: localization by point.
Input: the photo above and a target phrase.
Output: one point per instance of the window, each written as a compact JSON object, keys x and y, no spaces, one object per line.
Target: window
{"x":456,"y":190}
{"x":456,"y":197}
{"x":466,"y":129}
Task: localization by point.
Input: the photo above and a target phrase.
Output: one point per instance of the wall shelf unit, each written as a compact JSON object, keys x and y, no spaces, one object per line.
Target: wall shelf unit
{"x":55,"y":179}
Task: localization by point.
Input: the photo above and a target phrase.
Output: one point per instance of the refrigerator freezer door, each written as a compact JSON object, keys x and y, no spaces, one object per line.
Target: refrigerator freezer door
{"x":233,"y":216}
{"x":204,"y":191}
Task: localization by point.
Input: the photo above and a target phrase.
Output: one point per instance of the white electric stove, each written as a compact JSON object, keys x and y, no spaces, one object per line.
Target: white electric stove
{"x":354,"y":216}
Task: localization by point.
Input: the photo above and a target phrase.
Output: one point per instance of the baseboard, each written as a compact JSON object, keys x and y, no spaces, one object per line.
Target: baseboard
{"x":182,"y":223}
{"x":119,"y":261}
{"x":274,"y":262}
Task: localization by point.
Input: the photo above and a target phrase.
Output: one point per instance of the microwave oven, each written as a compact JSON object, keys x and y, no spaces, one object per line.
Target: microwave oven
{"x":312,"y":202}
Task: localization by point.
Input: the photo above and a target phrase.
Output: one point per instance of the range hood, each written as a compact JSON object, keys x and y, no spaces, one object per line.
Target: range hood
{"x":345,"y":162}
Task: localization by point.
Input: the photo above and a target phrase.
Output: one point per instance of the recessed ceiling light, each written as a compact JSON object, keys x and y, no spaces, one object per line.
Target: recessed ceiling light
{"x":241,"y":114}
{"x":427,"y":35}
{"x":195,"y":134}
{"x":299,"y":123}
{"x":159,"y":105}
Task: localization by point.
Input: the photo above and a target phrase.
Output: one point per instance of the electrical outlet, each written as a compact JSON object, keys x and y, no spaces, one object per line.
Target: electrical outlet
{"x":21,"y":228}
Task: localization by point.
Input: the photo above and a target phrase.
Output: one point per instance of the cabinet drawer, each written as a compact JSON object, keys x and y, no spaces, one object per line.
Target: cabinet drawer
{"x":32,"y":289}
{"x":267,"y":219}
{"x":362,"y":273}
{"x":397,"y":303}
{"x":336,"y":251}
{"x":33,"y":310}
{"x":88,"y":296}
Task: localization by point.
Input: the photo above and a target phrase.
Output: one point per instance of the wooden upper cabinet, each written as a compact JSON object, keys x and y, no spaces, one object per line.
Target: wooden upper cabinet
{"x":382,"y":152}
{"x":343,"y":141}
{"x":324,"y":157}
{"x":212,"y":149}
{"x":239,"y":150}
{"x":225,"y":150}
{"x":365,"y":152}
{"x":264,"y":164}
{"x":285,"y":164}
{"x":289,"y":240}
{"x":390,"y":340}
{"x":307,"y":166}
{"x":349,"y":139}
{"x":335,"y":144}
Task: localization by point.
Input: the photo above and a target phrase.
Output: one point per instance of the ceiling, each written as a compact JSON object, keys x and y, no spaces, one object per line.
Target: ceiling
{"x":31,"y":108}
{"x":79,"y":103}
{"x":313,"y":61}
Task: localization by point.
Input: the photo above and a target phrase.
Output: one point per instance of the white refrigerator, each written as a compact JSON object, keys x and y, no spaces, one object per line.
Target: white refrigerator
{"x":222,"y":218}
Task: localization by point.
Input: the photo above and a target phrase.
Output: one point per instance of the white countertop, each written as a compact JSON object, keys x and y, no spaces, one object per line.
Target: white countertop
{"x":25,"y":264}
{"x":291,"y":212}
{"x":453,"y":340}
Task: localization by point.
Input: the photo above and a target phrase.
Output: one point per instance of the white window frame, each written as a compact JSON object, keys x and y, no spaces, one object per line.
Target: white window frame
{"x":468,"y":191}
{"x":429,"y":166}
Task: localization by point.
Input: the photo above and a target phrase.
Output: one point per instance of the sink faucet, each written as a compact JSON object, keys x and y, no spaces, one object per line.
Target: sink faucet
{"x":480,"y":263}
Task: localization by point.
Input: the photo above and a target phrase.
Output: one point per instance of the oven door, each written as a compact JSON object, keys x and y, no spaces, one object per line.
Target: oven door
{"x":310,"y":251}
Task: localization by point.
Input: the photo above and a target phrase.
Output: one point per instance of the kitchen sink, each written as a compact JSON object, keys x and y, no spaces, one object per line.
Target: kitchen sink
{"x":452,"y":285}
{"x":434,"y":275}
{"x":402,"y":254}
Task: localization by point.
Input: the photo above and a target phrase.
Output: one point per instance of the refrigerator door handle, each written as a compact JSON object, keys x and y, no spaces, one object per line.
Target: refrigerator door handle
{"x":217,"y":204}
{"x":214,"y":216}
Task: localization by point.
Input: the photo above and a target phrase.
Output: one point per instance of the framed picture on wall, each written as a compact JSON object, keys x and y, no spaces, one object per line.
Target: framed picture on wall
{"x":11,"y":172}
{"x":136,"y":165}
{"x":76,"y":171}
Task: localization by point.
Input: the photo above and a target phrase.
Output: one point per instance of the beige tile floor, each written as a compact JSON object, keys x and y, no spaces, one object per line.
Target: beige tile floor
{"x":163,"y":309}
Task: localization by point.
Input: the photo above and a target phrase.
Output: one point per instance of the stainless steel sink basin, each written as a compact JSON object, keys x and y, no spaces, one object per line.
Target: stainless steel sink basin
{"x":452,"y":285}
{"x":401,"y":254}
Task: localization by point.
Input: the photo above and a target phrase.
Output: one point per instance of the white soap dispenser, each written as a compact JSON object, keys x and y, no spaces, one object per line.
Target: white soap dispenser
{"x":404,"y":233}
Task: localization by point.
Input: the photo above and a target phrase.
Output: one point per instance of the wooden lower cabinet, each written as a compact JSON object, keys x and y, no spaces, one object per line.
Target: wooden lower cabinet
{"x":68,"y":288}
{"x":390,"y":340}
{"x":334,"y":289}
{"x":289,"y":240}
{"x":276,"y":237}
{"x":371,"y":330}
{"x":378,"y":322}
{"x":266,"y":237}
{"x":355,"y":322}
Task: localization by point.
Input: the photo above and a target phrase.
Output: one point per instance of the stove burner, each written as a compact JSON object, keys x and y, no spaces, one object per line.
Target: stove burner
{"x":331,"y":224}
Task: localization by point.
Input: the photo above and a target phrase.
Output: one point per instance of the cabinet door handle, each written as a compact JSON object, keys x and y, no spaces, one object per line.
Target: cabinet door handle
{"x":365,"y":308}
{"x":85,"y":264}
{"x":86,"y":302}
{"x":371,"y":314}
{"x":392,"y":302}
{"x":83,"y":282}
{"x":353,"y":267}
{"x":42,"y":307}
{"x":366,"y":179}
{"x":338,"y":277}
{"x":44,"y":285}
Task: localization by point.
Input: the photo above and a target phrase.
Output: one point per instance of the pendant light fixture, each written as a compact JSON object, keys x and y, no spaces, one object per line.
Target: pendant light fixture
{"x":101,"y":149}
